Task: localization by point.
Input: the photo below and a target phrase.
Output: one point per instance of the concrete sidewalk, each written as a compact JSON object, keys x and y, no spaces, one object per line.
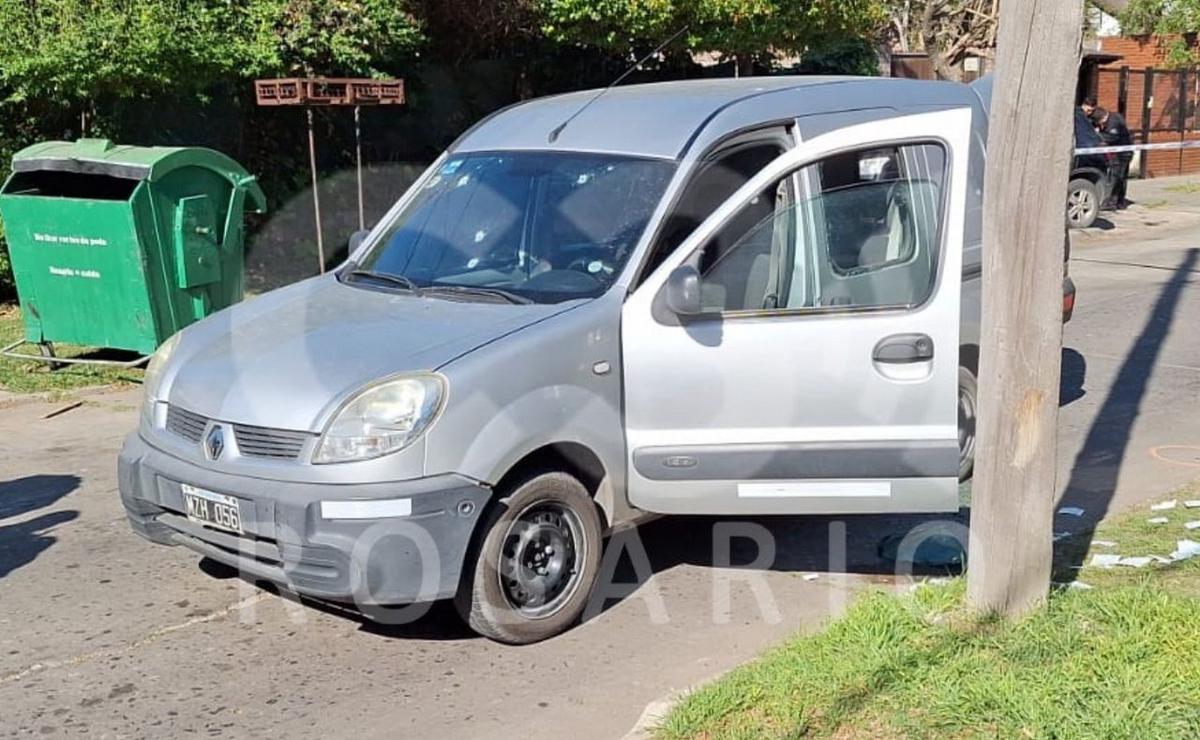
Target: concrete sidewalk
{"x":1163,"y":206}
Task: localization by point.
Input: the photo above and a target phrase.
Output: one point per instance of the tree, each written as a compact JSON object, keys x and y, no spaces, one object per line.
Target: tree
{"x":1029,"y":151}
{"x":949,"y":31}
{"x":1170,"y":18}
{"x":745,"y":30}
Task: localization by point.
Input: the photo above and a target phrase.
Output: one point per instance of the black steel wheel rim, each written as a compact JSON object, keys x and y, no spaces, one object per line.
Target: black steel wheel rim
{"x":541,"y":558}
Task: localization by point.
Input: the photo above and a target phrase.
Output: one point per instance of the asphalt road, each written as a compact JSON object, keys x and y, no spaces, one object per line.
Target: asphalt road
{"x":105,"y":634}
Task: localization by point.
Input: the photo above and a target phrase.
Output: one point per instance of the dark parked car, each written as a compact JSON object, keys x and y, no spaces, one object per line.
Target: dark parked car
{"x":1091,"y":177}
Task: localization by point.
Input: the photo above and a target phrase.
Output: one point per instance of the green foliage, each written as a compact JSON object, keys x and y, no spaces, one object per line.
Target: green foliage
{"x":740,"y":28}
{"x":87,"y":50}
{"x":847,"y":55}
{"x":330,"y":37}
{"x":1167,"y":18}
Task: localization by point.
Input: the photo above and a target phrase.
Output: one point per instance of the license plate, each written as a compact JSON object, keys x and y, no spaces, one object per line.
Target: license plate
{"x":212,"y":509}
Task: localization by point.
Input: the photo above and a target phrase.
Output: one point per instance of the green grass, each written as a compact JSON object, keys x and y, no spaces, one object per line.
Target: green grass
{"x":23,"y":376}
{"x":1120,"y":660}
{"x":1186,"y":188}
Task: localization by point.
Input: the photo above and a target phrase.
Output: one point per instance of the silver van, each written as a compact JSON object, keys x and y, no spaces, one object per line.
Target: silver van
{"x":722,"y":297}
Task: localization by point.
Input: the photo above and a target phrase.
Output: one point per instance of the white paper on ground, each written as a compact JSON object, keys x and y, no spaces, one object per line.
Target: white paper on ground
{"x":1080,"y":586}
{"x":1185,"y":550}
{"x":1138,"y":562}
{"x":1071,"y":511}
{"x":811,"y":576}
{"x":1192,"y":504}
{"x":1164,"y":506}
{"x":1104,"y":560}
{"x":1158,"y":520}
{"x":1104,"y":543}
{"x":1192,"y":525}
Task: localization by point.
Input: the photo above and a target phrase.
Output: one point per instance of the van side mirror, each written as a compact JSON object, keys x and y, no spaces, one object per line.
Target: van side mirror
{"x":682,"y":291}
{"x":356,"y":239}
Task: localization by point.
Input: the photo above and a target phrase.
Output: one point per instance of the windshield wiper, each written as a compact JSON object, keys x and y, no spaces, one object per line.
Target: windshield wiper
{"x":480,"y":291}
{"x":387,"y":277}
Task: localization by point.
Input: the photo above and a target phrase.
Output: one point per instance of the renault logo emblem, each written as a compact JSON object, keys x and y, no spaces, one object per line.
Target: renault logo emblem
{"x":214,"y":443}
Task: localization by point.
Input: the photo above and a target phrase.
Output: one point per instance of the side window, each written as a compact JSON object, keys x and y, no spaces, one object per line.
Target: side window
{"x":720,"y":177}
{"x":856,"y":230}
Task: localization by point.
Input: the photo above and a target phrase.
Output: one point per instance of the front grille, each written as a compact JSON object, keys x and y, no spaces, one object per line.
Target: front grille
{"x":278,"y":444}
{"x":275,"y":444}
{"x":186,"y":424}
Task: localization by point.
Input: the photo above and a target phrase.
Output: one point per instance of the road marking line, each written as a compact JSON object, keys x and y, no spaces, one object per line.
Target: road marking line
{"x":152,"y":637}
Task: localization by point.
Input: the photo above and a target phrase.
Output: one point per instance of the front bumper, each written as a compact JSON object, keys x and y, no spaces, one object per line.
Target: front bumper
{"x":392,"y":560}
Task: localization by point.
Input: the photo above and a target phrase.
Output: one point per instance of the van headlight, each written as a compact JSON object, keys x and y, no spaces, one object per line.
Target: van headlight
{"x":382,"y":419}
{"x":152,"y":380}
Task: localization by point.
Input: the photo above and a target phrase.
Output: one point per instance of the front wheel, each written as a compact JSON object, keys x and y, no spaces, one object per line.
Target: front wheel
{"x":537,"y":562}
{"x":1083,"y":203}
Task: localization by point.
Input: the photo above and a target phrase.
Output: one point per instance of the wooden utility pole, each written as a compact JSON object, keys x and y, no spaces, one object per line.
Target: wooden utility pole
{"x":1029,"y":152}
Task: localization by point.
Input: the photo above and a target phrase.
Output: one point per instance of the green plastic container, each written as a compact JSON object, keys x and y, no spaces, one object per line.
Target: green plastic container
{"x":122,"y":246}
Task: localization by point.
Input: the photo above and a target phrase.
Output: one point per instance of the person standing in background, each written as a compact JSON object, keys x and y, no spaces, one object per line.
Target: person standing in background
{"x":1115,"y":132}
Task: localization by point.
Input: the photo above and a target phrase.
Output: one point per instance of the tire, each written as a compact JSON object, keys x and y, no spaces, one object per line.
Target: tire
{"x":548,"y":532}
{"x":968,"y":409}
{"x":46,"y":349}
{"x":1083,"y":203}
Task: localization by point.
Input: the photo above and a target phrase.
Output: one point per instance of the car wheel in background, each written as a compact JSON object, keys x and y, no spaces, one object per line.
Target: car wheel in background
{"x":1083,"y":203}
{"x":537,"y":561}
{"x":968,"y":408}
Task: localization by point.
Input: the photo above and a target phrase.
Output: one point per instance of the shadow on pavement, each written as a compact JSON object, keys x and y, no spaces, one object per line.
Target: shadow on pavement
{"x":816,"y":544}
{"x":1097,"y":467}
{"x":1074,"y":374}
{"x":22,"y":542}
{"x":33,"y":492}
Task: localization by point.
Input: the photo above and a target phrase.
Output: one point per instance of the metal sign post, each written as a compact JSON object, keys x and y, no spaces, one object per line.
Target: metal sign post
{"x":331,"y":92}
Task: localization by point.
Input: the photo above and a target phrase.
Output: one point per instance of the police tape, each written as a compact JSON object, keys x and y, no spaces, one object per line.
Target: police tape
{"x":1164,"y":146}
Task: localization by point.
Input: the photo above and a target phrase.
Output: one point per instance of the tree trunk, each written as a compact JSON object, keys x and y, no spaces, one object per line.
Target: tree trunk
{"x":745,"y":64}
{"x":1029,"y":151}
{"x":942,"y":67}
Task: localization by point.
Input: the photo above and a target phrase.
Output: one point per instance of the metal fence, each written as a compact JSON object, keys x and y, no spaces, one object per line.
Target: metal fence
{"x":1151,"y":100}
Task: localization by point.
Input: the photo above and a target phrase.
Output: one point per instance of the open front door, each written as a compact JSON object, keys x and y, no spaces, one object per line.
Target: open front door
{"x":807,"y":361}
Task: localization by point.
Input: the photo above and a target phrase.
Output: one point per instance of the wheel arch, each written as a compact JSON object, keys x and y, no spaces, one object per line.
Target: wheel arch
{"x":574,"y":458}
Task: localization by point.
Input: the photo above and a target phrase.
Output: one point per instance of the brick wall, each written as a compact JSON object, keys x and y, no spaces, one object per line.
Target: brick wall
{"x":1139,"y":53}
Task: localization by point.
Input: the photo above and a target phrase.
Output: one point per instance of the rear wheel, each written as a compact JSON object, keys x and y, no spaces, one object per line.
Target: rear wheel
{"x":968,"y":405}
{"x":537,"y":562}
{"x":1083,"y":203}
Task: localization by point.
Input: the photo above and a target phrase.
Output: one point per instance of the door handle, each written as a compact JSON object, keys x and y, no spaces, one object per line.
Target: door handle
{"x":904,"y":349}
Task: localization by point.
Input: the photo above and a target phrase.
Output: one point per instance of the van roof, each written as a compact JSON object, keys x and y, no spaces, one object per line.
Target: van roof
{"x":662,"y":119}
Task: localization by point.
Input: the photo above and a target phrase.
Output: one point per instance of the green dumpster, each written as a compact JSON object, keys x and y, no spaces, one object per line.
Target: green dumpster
{"x":122,"y":246}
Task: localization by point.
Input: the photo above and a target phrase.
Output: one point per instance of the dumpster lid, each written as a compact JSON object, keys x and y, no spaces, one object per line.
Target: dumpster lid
{"x":102,"y":157}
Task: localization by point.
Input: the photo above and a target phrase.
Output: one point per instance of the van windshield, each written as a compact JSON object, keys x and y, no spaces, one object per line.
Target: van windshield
{"x":538,"y":226}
